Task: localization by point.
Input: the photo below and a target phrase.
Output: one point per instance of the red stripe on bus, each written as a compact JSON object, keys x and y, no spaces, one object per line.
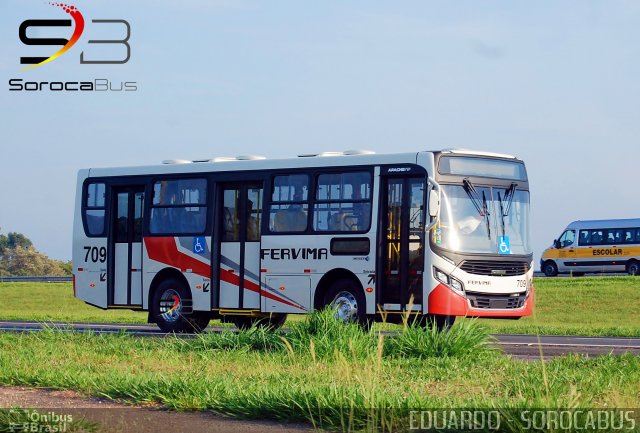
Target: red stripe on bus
{"x":164,"y":250}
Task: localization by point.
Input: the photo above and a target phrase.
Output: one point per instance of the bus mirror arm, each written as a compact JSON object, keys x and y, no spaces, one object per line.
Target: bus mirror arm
{"x":434,"y":203}
{"x":556,"y":243}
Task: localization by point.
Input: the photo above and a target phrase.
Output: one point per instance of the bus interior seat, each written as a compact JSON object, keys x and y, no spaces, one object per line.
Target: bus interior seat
{"x":290,"y":220}
{"x":343,"y":221}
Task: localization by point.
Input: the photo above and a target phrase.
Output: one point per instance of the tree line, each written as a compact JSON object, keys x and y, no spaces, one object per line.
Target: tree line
{"x":18,"y":257}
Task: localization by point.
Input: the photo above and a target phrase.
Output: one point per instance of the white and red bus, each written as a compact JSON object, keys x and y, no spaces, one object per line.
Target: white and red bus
{"x":247,"y":239}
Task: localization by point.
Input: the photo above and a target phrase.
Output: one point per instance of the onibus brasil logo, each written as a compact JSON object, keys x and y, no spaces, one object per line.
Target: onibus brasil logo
{"x":120,"y":44}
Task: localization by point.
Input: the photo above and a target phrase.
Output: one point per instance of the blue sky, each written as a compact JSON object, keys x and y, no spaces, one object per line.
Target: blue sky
{"x":555,"y":83}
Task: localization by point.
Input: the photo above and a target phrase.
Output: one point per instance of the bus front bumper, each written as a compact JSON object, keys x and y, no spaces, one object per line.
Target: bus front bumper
{"x":445,"y":301}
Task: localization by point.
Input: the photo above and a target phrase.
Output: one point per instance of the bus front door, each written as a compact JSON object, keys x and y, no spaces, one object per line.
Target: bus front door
{"x":125,"y":287}
{"x":239,"y":220}
{"x":401,"y":258}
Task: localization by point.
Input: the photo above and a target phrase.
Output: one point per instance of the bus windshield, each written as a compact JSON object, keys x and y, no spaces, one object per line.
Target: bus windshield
{"x":473,"y":218}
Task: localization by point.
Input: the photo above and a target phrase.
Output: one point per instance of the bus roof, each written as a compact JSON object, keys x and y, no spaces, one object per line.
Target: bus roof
{"x":242,"y":163}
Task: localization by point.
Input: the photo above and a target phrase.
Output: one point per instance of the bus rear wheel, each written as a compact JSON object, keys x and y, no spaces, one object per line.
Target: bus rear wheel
{"x":168,"y":309}
{"x":550,"y":269}
{"x":633,"y":268}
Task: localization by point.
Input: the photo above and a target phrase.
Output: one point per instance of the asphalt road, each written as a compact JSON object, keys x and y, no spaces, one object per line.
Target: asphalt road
{"x":516,"y":345}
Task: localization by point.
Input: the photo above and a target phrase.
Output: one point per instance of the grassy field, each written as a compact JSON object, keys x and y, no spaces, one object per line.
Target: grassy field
{"x":574,"y":306}
{"x":55,"y":302}
{"x":337,"y":378}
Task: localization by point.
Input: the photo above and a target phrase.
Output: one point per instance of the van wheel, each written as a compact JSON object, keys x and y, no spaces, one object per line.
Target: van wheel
{"x":346,"y":298}
{"x":550,"y":269}
{"x":633,"y":267}
{"x":168,"y":308}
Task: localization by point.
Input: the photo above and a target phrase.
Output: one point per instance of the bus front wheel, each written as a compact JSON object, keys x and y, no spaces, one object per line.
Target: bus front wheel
{"x":440,"y":321}
{"x":168,"y":309}
{"x":633,"y":268}
{"x":550,"y":269}
{"x":348,"y":302}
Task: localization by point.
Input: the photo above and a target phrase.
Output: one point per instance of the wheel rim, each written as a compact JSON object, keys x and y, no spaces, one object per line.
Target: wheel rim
{"x":170,"y":306}
{"x":634,"y":268}
{"x":346,"y":307}
{"x":550,"y":270}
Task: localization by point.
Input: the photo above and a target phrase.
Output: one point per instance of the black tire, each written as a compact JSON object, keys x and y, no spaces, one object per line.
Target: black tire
{"x":167,"y":308}
{"x":273,"y":321}
{"x":440,"y":321}
{"x":550,"y":268}
{"x":349,"y":302}
{"x":633,"y":268}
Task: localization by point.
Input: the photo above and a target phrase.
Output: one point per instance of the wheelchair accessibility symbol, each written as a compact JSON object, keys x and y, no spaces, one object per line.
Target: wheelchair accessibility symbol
{"x":199,"y":244}
{"x":503,"y":245}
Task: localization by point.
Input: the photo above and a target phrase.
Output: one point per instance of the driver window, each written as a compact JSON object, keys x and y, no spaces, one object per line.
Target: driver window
{"x":567,"y":238}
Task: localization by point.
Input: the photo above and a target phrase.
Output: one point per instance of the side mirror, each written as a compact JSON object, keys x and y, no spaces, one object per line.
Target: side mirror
{"x":434,"y":203}
{"x":556,"y":243}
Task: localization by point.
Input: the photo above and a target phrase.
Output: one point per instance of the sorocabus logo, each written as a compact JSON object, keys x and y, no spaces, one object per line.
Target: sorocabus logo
{"x":78,"y":19}
{"x":120,"y":49}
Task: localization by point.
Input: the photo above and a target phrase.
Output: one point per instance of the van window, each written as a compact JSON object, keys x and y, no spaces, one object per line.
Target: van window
{"x":567,"y":238}
{"x":597,"y":237}
{"x":585,"y":238}
{"x":615,"y":236}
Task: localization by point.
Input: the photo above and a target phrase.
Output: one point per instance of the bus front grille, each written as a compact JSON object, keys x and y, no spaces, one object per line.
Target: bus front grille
{"x":488,"y":301}
{"x":496,"y":269}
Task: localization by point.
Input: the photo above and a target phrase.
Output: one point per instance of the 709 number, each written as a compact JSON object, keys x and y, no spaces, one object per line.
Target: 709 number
{"x":95,"y":254}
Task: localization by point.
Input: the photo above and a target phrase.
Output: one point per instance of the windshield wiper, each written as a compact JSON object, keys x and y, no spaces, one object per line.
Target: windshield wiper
{"x":478,"y":203}
{"x":508,"y":197}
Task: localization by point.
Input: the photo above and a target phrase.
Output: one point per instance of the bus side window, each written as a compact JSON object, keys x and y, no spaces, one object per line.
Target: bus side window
{"x":597,"y":237}
{"x":95,"y":208}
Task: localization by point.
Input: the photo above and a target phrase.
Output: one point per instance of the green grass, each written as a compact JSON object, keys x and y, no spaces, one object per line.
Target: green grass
{"x":55,"y":302}
{"x":349,"y":381}
{"x":572,"y":306}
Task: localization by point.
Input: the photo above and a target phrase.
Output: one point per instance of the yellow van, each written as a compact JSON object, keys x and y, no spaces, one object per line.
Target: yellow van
{"x":595,"y":246}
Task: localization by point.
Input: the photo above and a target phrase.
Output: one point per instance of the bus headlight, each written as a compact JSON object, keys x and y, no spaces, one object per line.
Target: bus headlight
{"x":441,"y":276}
{"x":454,"y":283}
